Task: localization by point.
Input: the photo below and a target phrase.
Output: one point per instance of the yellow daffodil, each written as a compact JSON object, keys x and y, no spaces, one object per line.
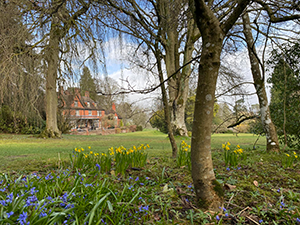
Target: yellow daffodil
{"x":148,"y":146}
{"x":228,"y":143}
{"x":287,"y":155}
{"x":89,"y":147}
{"x":78,"y":150}
{"x":296,"y":156}
{"x":82,"y":149}
{"x":189,"y":146}
{"x":294,"y":153}
{"x":75,"y":149}
{"x":91,"y":152}
{"x":223,"y":145}
{"x":227,"y":148}
{"x":238,"y":146}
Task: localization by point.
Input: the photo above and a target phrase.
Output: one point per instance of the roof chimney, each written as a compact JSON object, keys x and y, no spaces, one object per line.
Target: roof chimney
{"x":87,"y":94}
{"x":77,"y":92}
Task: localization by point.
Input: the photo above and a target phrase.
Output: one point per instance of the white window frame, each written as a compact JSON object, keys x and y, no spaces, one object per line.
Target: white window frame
{"x":77,"y":113}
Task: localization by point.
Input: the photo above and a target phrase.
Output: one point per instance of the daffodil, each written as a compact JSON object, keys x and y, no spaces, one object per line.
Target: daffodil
{"x":148,"y":146}
{"x":91,"y":152}
{"x":223,"y":145}
{"x":228,"y":143}
{"x":89,"y":147}
{"x":294,"y":153}
{"x":287,"y":155}
{"x":238,"y":146}
{"x":227,"y":148}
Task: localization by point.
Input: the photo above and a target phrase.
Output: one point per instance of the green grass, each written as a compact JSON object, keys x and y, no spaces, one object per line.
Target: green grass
{"x":25,"y":152}
{"x":260,"y":190}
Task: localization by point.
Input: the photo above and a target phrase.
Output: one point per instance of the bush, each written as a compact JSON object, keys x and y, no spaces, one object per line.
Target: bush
{"x":15,"y":122}
{"x":139,"y":128}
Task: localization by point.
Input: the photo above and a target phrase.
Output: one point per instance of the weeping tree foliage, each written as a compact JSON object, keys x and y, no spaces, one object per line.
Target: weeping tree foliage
{"x":285,"y":94}
{"x":21,"y":91}
{"x":65,"y":35}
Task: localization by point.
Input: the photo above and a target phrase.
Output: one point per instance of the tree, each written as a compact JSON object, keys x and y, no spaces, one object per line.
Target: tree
{"x":87,"y":83}
{"x":107,"y":87}
{"x":21,"y":81}
{"x":214,"y":25}
{"x":259,"y":84}
{"x":57,"y":24}
{"x":285,"y":94}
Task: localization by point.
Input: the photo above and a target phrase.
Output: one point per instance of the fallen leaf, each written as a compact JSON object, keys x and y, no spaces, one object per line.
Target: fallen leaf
{"x":229,"y":186}
{"x":255,"y":183}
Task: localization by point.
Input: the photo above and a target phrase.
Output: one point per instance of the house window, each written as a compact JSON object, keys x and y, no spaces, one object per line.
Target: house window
{"x":88,"y":104}
{"x":90,"y":112}
{"x":99,"y":113}
{"x":77,"y":113}
{"x":75,"y":103}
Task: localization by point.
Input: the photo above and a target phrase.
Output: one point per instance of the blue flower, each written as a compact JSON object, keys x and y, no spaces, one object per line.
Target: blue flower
{"x":99,"y":167}
{"x":42,"y":214}
{"x":217,"y":218}
{"x":22,"y":218}
{"x":10,"y":214}
{"x":147,"y":178}
{"x":278,"y":190}
{"x":228,"y":169}
{"x":10,"y":198}
{"x":298,"y":220}
{"x":137,"y":178}
{"x":142,"y":184}
{"x":260,"y":221}
{"x":226,"y":214}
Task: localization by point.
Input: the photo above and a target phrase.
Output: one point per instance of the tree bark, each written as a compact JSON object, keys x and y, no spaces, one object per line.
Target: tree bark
{"x":165,"y":102}
{"x":259,"y":84}
{"x":52,"y":59}
{"x":209,"y":192}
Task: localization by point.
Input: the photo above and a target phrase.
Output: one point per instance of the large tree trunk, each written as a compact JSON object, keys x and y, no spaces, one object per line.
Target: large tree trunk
{"x":52,"y":59}
{"x":259,"y":83}
{"x":208,"y":191}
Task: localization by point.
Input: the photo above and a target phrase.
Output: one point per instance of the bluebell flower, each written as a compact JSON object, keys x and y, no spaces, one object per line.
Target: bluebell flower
{"x":140,"y":198}
{"x":224,"y":209}
{"x":147,"y":178}
{"x":228,"y":169}
{"x":217,"y":218}
{"x":130,"y":187}
{"x":298,"y":220}
{"x":22,"y":218}
{"x":3,"y":202}
{"x":278,"y":190}
{"x":97,"y":165}
{"x":10,"y":214}
{"x":226,"y":214}
{"x":260,"y":221}
{"x":142,"y":184}
{"x":10,"y":198}
{"x":3,"y":189}
{"x":137,"y":178}
{"x":42,"y":214}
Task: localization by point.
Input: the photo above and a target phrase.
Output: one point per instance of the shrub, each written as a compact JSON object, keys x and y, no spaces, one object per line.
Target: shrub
{"x":139,"y":128}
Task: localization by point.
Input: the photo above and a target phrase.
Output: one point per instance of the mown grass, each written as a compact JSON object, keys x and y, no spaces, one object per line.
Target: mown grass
{"x":25,"y":152}
{"x":260,"y":190}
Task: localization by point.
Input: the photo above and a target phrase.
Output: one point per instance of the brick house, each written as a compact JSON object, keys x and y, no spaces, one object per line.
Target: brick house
{"x":83,"y":112}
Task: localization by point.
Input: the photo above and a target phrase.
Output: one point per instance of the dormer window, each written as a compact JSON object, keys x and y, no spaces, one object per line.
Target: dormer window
{"x":75,"y":103}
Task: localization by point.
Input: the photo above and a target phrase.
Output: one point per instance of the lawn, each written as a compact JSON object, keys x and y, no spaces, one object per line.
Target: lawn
{"x":46,"y":181}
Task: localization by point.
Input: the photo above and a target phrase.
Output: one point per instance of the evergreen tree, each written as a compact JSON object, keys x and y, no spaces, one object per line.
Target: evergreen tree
{"x":87,"y":83}
{"x":285,"y":105}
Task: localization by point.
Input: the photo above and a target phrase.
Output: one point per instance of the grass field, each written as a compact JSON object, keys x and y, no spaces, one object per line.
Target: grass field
{"x":24,"y":152}
{"x":37,"y":187}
